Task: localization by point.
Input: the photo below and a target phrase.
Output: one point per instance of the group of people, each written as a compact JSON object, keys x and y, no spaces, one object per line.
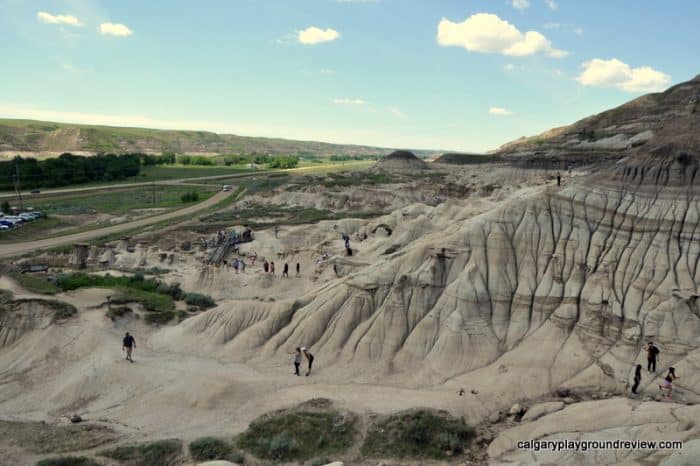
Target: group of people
{"x":652,"y":358}
{"x":269,"y":267}
{"x":298,"y":358}
{"x":237,"y":264}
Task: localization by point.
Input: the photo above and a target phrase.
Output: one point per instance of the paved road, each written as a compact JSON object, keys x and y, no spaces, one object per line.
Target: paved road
{"x":16,"y":249}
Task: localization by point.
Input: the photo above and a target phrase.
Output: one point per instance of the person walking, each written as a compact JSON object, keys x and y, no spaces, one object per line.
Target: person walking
{"x":652,"y":357}
{"x":309,"y":357}
{"x":637,"y":378}
{"x":266,"y":266}
{"x":285,"y":270}
{"x":298,"y":269}
{"x":297,"y":360}
{"x":558,"y":179}
{"x":277,"y":231}
{"x":668,"y":382}
{"x":272,"y":267}
{"x":128,"y":345}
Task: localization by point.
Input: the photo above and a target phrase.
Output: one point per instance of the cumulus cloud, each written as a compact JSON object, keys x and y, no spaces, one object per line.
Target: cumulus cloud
{"x":520,"y":4}
{"x":313,"y":35}
{"x":500,"y":111}
{"x":349,"y":102}
{"x":617,"y":74}
{"x":48,"y":18}
{"x":115,"y":29}
{"x":552,"y":4}
{"x":487,"y":33}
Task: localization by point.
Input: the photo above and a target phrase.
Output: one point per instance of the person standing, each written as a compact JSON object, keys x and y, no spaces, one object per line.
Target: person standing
{"x":266,"y":266}
{"x":285,"y":270}
{"x":297,"y":360}
{"x":637,"y":378}
{"x":667,"y":383}
{"x":309,"y":357}
{"x":128,"y":345}
{"x":558,"y":179}
{"x":277,"y":231}
{"x":298,"y":269}
{"x":272,"y":267}
{"x":652,"y":357}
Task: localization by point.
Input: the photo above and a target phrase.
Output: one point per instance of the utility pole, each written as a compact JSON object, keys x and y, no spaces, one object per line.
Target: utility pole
{"x":19,"y":196}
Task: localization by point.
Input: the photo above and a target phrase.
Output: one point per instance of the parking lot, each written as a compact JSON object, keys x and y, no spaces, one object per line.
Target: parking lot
{"x":10,"y":222}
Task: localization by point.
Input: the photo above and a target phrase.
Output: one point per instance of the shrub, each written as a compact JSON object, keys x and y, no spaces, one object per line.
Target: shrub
{"x":190,"y":196}
{"x":160,"y":318}
{"x":116,"y":312}
{"x":210,"y":448}
{"x":199,"y":300}
{"x":287,"y":436}
{"x":174,"y":290}
{"x":34,"y":284}
{"x":320,"y":462}
{"x":68,"y":461}
{"x":417,"y":434}
{"x":159,"y":453}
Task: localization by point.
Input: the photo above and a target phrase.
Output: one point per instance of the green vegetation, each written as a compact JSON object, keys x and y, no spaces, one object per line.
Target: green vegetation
{"x":159,"y":453}
{"x":199,"y":300}
{"x":468,"y":159}
{"x":289,"y":436}
{"x":68,"y":169}
{"x":189,"y":196}
{"x":417,"y":434}
{"x":68,"y":461}
{"x":128,"y":200}
{"x":5,"y":207}
{"x":6,"y":296}
{"x":155,"y":296}
{"x":116,"y":312}
{"x":210,"y":448}
{"x":284,"y":162}
{"x":200,"y":160}
{"x":357,"y":178}
{"x":34,"y":284}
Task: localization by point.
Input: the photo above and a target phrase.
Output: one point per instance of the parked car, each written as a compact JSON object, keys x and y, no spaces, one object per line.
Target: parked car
{"x":4,"y":227}
{"x":35,"y":191}
{"x":227,"y":188}
{"x":28,"y":217}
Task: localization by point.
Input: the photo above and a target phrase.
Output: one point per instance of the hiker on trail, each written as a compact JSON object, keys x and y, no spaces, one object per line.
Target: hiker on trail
{"x":298,"y":269}
{"x":242,"y":265}
{"x":297,"y":360}
{"x":558,"y":179}
{"x":652,"y":357}
{"x":637,"y":378}
{"x":272,"y":267}
{"x":309,"y":357}
{"x":277,"y":231}
{"x":128,"y":344}
{"x":266,"y":266}
{"x":285,"y":271}
{"x":253,"y":258}
{"x":668,"y":382}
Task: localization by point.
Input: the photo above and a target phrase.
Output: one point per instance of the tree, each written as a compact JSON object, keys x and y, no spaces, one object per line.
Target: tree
{"x":5,"y":207}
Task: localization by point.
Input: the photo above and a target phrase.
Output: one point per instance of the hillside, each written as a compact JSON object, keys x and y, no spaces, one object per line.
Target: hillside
{"x":650,"y":120}
{"x":30,"y":137}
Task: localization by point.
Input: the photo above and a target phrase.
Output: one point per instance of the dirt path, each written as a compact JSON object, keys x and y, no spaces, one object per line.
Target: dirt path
{"x":15,"y":249}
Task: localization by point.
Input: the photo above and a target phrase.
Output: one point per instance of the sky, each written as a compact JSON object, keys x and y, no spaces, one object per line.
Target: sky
{"x":466,"y":75}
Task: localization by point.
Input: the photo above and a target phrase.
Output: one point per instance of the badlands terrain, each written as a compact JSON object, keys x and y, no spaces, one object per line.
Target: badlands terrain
{"x":482,"y":303}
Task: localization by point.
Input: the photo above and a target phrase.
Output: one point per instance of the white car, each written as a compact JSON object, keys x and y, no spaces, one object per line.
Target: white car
{"x":227,"y":188}
{"x":4,"y":228}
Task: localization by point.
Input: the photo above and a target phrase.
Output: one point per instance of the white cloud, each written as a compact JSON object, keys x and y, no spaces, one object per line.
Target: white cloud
{"x":578,"y":31}
{"x":500,"y":111}
{"x":48,"y":18}
{"x":313,"y":35}
{"x":349,"y":102}
{"x":509,"y":67}
{"x":115,"y":29}
{"x":617,"y":74}
{"x":487,"y":33}
{"x":520,"y":4}
{"x":327,"y":71}
{"x":397,"y":113}
{"x":552,"y":4}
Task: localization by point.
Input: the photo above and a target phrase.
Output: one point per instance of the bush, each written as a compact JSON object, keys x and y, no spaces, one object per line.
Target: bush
{"x":320,"y":462}
{"x":159,"y":453}
{"x":160,"y":318}
{"x":68,"y":461}
{"x":174,"y":290}
{"x":199,"y":300}
{"x":190,"y":196}
{"x":116,"y":312}
{"x":34,"y":284}
{"x":417,"y":434}
{"x":298,"y":435}
{"x":210,"y":448}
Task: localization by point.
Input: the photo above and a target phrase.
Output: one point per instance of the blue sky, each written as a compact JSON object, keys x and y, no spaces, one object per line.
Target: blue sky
{"x":433,"y":74}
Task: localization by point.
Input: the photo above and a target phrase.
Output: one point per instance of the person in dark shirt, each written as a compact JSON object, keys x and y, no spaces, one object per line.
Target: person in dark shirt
{"x":298,"y":269}
{"x":309,"y":357}
{"x":637,"y":378}
{"x":285,"y":270}
{"x":128,"y":344}
{"x":652,"y":357}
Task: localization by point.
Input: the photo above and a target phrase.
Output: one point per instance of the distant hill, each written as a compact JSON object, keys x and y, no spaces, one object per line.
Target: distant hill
{"x":467,"y":159}
{"x":30,"y":137}
{"x":401,"y":160}
{"x":652,"y":120}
